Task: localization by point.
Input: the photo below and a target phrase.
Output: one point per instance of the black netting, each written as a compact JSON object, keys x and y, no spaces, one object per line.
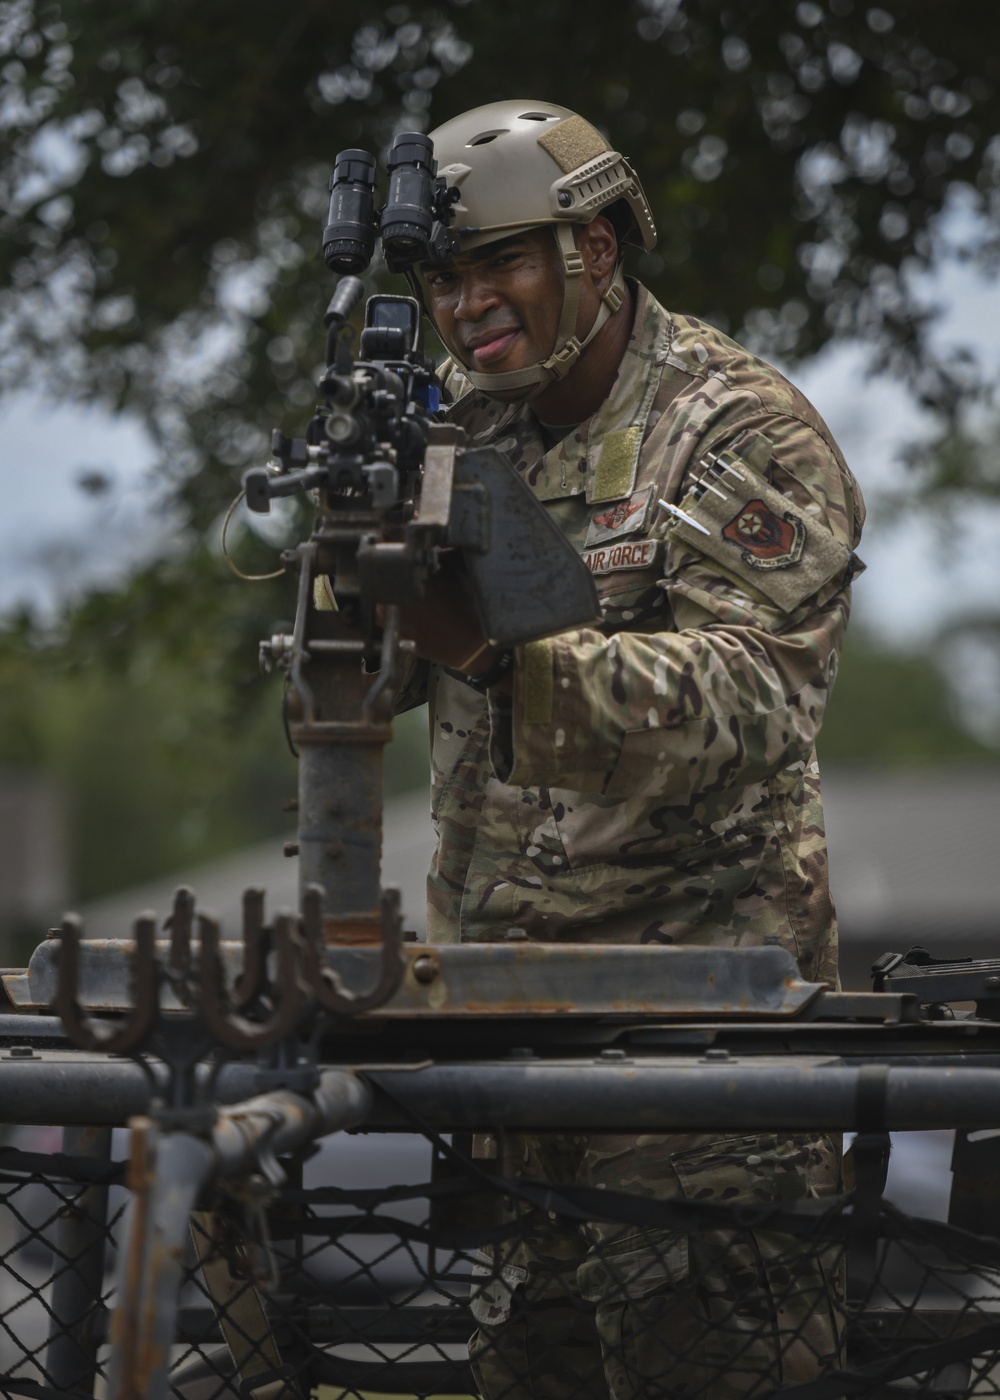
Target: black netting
{"x":59,"y":1220}
{"x":592,"y":1280}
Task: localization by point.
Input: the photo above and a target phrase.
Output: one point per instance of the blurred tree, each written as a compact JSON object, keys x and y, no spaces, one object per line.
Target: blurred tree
{"x":969,"y":659}
{"x":164,"y":170}
{"x":163,"y":173}
{"x":897,"y":708}
{"x":165,"y":761}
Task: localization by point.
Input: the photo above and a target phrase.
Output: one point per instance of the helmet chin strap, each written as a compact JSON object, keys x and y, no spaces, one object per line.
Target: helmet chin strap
{"x":568,"y":349}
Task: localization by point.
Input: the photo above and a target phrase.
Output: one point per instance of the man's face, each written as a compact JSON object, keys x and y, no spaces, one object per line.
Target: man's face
{"x":497,"y":308}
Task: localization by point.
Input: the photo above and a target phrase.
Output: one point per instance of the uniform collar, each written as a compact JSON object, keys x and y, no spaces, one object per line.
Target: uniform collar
{"x":598,"y":459}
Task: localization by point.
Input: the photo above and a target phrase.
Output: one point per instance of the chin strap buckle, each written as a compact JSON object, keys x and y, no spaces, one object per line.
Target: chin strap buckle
{"x":563,"y":360}
{"x":615,"y":294}
{"x":572,"y":261}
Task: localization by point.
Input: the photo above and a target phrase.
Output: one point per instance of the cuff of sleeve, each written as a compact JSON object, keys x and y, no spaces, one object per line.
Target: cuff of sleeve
{"x":551,"y":740}
{"x":501,"y":709}
{"x":531,"y":702}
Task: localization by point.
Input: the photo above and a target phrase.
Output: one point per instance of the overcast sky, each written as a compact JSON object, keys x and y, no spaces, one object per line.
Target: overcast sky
{"x":55,"y":538}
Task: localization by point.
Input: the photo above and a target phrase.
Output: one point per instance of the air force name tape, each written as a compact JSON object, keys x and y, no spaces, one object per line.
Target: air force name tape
{"x":637,"y":554}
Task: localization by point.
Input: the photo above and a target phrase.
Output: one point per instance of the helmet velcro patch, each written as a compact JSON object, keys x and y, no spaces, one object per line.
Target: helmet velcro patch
{"x":572,"y":142}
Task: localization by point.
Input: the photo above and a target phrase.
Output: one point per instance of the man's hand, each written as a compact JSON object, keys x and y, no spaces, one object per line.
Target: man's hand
{"x":444,"y":625}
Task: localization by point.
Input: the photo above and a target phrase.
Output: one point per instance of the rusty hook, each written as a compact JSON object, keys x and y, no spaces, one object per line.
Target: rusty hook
{"x":113,"y":1038}
{"x":179,"y":924}
{"x":325,"y":984}
{"x":255,"y":943}
{"x":236,"y":1031}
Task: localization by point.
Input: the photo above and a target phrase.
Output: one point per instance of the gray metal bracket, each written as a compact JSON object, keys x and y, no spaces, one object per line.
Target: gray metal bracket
{"x":497,"y":980}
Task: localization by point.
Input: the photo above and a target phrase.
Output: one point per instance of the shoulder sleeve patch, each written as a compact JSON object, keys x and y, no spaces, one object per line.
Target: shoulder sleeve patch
{"x":737,"y":518}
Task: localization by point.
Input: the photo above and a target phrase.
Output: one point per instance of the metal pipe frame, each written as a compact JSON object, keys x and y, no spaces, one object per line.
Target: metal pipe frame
{"x":169,"y":1172}
{"x":611,"y":1093}
{"x":724,"y":1094}
{"x":74,"y":1087}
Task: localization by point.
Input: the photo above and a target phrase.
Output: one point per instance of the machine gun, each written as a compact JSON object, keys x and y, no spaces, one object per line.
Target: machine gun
{"x":377,"y":449}
{"x":396,"y":488}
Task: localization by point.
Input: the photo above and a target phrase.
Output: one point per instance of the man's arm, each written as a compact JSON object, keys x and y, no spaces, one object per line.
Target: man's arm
{"x":731,"y":696}
{"x":723,"y":700}
{"x":443,"y":625}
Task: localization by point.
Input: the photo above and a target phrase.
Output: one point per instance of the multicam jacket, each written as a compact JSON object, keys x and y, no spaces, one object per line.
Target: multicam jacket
{"x":653,"y":778}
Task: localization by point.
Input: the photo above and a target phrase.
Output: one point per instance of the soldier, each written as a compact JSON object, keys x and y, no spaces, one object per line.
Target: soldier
{"x":649,"y":779}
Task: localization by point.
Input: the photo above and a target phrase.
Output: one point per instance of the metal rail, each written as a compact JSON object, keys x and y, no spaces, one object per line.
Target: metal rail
{"x":169,"y":1171}
{"x":609,"y":1092}
{"x":79,"y":1243}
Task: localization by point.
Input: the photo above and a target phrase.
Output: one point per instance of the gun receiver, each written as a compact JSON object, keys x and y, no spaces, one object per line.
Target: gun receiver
{"x":940,"y":981}
{"x":373,"y":453}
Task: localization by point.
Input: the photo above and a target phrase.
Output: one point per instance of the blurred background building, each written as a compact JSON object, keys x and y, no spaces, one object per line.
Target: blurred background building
{"x":34,"y":856}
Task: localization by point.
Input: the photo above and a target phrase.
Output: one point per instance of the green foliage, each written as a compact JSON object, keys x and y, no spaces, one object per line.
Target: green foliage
{"x":164,"y":167}
{"x":954,"y":468}
{"x":165,"y":762}
{"x":163,"y":173}
{"x":892,"y":707}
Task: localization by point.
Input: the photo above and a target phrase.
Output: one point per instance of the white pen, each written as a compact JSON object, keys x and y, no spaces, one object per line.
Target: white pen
{"x":683,"y":515}
{"x":721,"y":466}
{"x":707,"y":486}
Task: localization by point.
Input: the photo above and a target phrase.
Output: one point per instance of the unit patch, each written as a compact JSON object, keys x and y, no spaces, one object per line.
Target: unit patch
{"x":732,"y":514}
{"x":766,"y":540}
{"x":608,"y":560}
{"x":620,"y":518}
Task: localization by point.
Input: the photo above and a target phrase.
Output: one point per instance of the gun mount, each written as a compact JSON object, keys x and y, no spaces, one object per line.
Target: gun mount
{"x":396,"y":490}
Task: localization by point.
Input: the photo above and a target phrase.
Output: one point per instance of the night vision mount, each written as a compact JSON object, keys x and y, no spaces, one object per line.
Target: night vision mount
{"x":413,"y":223}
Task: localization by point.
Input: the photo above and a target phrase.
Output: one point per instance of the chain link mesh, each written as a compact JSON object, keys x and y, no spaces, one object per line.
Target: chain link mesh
{"x":48,"y":1201}
{"x":488,"y":1278}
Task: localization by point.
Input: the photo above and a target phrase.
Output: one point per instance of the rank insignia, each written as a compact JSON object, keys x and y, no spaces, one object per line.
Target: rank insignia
{"x":766,"y":540}
{"x":620,"y":518}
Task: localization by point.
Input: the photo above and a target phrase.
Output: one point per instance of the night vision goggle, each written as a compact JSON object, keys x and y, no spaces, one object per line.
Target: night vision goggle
{"x":412,"y":224}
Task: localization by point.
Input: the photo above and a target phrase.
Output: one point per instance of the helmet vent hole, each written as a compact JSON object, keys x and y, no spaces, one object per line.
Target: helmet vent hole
{"x":485,"y":137}
{"x":538,"y":117}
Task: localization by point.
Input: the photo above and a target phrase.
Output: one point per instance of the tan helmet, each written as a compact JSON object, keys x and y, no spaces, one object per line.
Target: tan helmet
{"x":520,"y":164}
{"x":523,"y":164}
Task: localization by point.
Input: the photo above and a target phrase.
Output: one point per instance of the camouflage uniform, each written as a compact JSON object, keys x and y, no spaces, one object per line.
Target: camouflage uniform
{"x":654,"y":779}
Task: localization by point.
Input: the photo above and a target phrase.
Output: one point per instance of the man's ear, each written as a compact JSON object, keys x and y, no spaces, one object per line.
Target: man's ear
{"x":599,"y":250}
